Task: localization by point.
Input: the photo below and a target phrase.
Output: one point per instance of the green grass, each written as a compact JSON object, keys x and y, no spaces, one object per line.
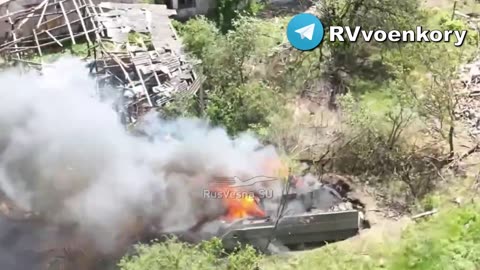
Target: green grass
{"x":450,"y":240}
{"x":378,"y":101}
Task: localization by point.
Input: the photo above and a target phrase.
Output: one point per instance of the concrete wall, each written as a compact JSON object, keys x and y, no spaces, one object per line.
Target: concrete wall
{"x":202,"y":7}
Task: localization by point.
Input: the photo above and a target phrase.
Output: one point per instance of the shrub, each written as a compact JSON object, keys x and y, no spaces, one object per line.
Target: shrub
{"x":175,"y":255}
{"x":449,"y":241}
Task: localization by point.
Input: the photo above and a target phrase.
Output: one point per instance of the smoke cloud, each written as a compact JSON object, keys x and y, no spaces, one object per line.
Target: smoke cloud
{"x":64,"y":154}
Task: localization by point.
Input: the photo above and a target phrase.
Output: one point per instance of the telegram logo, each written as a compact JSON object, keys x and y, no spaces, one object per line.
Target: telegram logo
{"x":305,"y":31}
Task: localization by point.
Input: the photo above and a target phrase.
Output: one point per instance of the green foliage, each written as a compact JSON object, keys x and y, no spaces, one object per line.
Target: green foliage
{"x":80,"y":50}
{"x":228,"y":11}
{"x":174,"y":255}
{"x":420,"y":87}
{"x":448,"y":241}
{"x":430,"y":202}
{"x":180,"y":107}
{"x":344,"y":60}
{"x":198,"y":35}
{"x":426,"y":73}
{"x":242,"y":108}
{"x":392,"y":85}
{"x":228,"y":59}
{"x":140,"y":39}
{"x":379,"y":153}
{"x":448,"y":24}
{"x":330,"y":258}
{"x":234,"y":96}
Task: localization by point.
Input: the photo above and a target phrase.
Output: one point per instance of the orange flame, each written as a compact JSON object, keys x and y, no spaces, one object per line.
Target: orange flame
{"x":239,"y":204}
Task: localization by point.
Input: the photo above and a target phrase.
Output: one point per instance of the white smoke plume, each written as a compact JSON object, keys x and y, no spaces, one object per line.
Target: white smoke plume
{"x":64,"y":154}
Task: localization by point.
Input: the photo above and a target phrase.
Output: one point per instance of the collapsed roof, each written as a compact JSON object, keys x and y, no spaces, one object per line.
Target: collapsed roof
{"x":134,"y":46}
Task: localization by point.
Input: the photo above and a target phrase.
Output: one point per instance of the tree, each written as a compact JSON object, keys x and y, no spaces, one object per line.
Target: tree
{"x":234,"y":96}
{"x":241,"y":108}
{"x":433,"y":91}
{"x":343,"y":61}
{"x":228,"y":11}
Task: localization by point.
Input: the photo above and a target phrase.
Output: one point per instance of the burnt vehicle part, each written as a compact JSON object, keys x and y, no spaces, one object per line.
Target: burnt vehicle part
{"x":308,"y":228}
{"x":307,"y":219}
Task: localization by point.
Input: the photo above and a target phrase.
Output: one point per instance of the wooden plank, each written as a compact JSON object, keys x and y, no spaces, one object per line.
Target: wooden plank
{"x":144,"y":86}
{"x":424,"y":214}
{"x":49,"y":38}
{"x":41,"y":15}
{"x":21,"y":47}
{"x":38,"y":43}
{"x":5,"y":45}
{"x":67,"y":21}
{"x":82,"y":22}
{"x":9,"y":18}
{"x":152,"y":67}
{"x":94,"y":9}
{"x":14,"y":13}
{"x":139,"y":73}
{"x":13,"y":33}
{"x":99,"y":7}
{"x":59,"y":17}
{"x":120,"y":63}
{"x":16,"y":46}
{"x":63,"y":39}
{"x":44,"y":3}
{"x":58,"y":42}
{"x":97,"y":36}
{"x":61,"y":26}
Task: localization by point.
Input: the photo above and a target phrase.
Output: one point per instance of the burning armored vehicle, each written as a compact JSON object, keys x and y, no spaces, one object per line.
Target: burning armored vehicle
{"x":306,"y":214}
{"x":82,"y":218}
{"x":299,"y":218}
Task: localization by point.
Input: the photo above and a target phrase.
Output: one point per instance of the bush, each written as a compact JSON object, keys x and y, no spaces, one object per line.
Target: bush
{"x":175,"y":255}
{"x":448,"y":241}
{"x":228,"y":11}
{"x":198,"y":35}
{"x":242,"y":108}
{"x":232,"y":96}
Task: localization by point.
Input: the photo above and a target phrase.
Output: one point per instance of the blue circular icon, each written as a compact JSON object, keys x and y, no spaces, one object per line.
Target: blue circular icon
{"x":305,"y":31}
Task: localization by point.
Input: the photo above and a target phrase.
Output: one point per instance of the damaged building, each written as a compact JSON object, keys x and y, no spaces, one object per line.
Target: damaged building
{"x":134,"y":46}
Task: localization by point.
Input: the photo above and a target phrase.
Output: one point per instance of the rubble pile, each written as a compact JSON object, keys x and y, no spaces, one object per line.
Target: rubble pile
{"x":134,"y":47}
{"x":140,"y":53}
{"x":38,"y":28}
